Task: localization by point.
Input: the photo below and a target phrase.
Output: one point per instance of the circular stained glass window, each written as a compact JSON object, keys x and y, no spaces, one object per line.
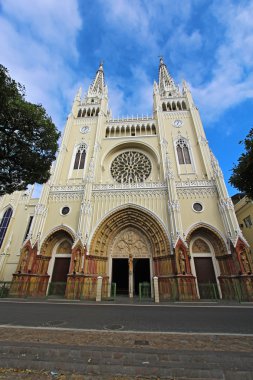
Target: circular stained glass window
{"x":197,"y":207}
{"x":65,"y":210}
{"x":131,"y":167}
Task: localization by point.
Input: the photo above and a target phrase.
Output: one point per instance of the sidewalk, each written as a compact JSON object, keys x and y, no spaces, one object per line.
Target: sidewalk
{"x":121,"y":300}
{"x":125,"y":355}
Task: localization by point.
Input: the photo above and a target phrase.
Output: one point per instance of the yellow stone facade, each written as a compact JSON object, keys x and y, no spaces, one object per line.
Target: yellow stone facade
{"x":244,"y":213}
{"x":129,"y":199}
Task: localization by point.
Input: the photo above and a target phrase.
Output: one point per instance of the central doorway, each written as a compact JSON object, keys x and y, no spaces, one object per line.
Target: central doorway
{"x":120,"y":275}
{"x":141,"y":272}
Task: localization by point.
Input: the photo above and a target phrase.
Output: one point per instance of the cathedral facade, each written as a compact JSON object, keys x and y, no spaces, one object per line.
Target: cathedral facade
{"x":128,"y":200}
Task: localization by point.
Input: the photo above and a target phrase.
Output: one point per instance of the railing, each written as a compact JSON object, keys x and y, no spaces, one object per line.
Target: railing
{"x":208,"y":291}
{"x":131,"y":118}
{"x":57,"y":289}
{"x":109,"y":291}
{"x":144,"y":290}
{"x":240,"y":291}
{"x":4,"y":288}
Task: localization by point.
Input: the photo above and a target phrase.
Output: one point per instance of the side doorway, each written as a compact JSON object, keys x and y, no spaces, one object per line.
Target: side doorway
{"x":59,"y":276}
{"x":58,"y":268}
{"x":205,"y":269}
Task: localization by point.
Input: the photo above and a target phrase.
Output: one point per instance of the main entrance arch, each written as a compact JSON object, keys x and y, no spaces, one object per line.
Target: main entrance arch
{"x":130,"y":238}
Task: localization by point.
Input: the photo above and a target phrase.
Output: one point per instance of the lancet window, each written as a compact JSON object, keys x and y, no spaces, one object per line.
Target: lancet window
{"x":183,"y":153}
{"x":80,"y":157}
{"x":4,"y":224}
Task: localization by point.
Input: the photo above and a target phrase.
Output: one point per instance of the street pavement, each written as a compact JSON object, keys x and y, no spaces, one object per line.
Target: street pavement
{"x":66,"y":340}
{"x":208,"y":318}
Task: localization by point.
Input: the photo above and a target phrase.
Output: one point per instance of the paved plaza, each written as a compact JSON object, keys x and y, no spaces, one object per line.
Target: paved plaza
{"x":56,"y":353}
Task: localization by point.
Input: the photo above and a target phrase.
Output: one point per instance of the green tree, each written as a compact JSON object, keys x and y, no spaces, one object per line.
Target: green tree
{"x":242,"y":177}
{"x":28,"y":138}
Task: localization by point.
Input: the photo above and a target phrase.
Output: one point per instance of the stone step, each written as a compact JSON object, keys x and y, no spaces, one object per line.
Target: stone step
{"x":150,"y":363}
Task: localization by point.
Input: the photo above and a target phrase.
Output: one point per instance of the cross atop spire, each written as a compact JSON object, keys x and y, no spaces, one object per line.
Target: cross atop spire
{"x":166,"y":83}
{"x":98,"y":85}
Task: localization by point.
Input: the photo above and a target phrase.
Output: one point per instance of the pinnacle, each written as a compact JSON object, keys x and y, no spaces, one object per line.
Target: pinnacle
{"x":98,"y":85}
{"x":166,"y":83}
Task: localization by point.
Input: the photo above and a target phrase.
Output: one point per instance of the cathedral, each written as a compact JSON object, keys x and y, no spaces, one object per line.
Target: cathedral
{"x":130,"y":201}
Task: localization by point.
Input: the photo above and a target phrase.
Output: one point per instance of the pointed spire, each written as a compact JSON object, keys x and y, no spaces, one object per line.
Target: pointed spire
{"x":166,"y":84}
{"x":98,"y":85}
{"x":78,"y":94}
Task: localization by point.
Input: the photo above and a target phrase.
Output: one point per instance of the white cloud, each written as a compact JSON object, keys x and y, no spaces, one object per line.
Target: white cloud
{"x":38,"y":46}
{"x":232,"y":78}
{"x":168,"y":28}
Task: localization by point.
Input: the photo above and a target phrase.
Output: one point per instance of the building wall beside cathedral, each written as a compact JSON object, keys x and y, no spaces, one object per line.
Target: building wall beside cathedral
{"x":146,"y":190}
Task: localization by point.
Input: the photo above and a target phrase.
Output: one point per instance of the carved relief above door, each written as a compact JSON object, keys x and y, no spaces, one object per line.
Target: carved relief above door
{"x":130,"y":242}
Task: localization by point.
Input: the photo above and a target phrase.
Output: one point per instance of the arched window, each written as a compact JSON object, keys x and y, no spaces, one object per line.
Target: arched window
{"x":4,"y":224}
{"x":184,"y":106}
{"x":183,"y":152}
{"x":80,"y":157}
{"x":79,"y":113}
{"x":84,"y":112}
{"x":164,"y":107}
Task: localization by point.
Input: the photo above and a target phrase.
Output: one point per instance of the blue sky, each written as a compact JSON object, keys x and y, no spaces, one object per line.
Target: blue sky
{"x":53,"y":47}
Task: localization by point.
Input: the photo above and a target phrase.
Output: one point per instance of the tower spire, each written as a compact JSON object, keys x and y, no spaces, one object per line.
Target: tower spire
{"x":98,"y":85}
{"x":167,"y":86}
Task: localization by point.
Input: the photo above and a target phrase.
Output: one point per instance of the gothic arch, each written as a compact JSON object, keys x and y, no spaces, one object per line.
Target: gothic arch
{"x":131,"y":144}
{"x":128,"y":216}
{"x":209,"y":233}
{"x":55,"y":235}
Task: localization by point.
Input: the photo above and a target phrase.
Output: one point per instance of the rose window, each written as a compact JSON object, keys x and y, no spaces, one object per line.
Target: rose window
{"x":131,"y":167}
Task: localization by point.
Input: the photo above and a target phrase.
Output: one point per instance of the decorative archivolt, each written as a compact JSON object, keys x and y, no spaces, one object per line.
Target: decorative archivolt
{"x":210,"y":234}
{"x":56,"y":234}
{"x":129,"y":218}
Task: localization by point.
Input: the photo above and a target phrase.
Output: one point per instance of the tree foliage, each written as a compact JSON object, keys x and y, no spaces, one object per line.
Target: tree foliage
{"x":28,"y":138}
{"x":242,"y":177}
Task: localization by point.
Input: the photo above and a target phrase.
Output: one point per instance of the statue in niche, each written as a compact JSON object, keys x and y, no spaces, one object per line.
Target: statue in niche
{"x":77,"y":261}
{"x":24,"y":261}
{"x":182,"y":261}
{"x":245,"y":262}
